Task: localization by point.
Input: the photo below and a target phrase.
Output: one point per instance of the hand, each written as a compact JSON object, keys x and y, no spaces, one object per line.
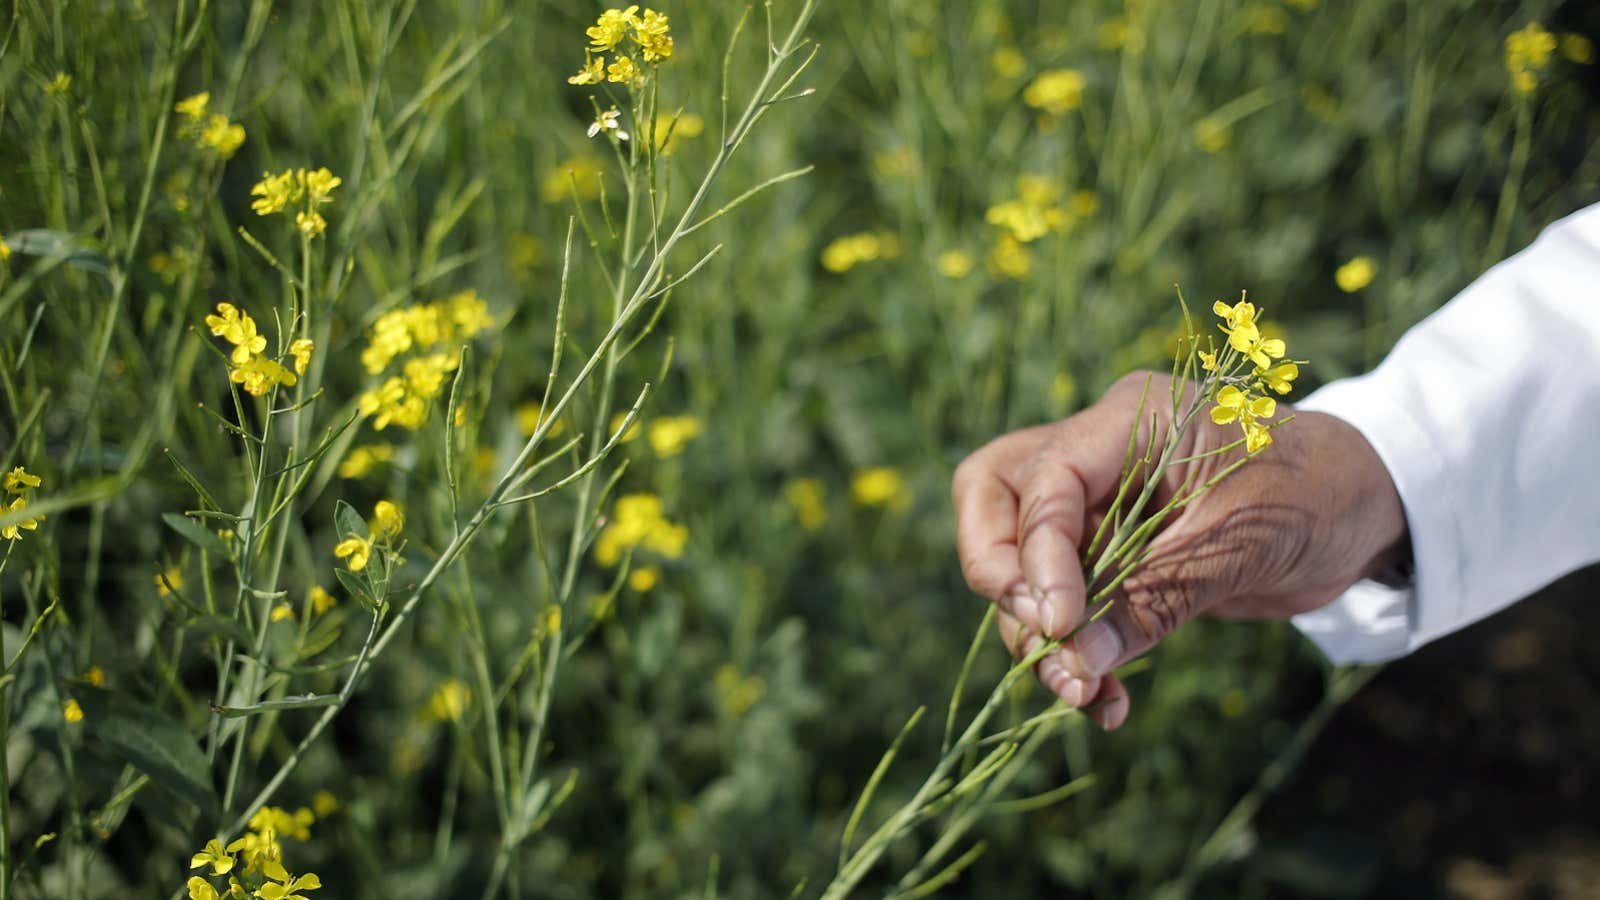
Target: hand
{"x":1284,"y":534}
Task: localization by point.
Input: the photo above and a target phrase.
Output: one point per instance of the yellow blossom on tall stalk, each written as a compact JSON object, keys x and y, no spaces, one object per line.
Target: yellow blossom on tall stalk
{"x":622,"y":32}
{"x":1355,"y":274}
{"x":72,"y":712}
{"x":207,"y":129}
{"x":18,"y":482}
{"x":362,"y":460}
{"x":845,"y":253}
{"x":357,"y":551}
{"x":305,"y":188}
{"x":880,"y":486}
{"x":387,"y":520}
{"x":669,"y":435}
{"x":1055,"y":92}
{"x":1528,"y":52}
{"x":808,"y":498}
{"x":449,"y":702}
{"x":321,"y":600}
{"x":637,"y":521}
{"x":168,"y":580}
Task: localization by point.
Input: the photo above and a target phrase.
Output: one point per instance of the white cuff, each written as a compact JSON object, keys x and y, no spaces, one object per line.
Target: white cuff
{"x":1370,"y":622}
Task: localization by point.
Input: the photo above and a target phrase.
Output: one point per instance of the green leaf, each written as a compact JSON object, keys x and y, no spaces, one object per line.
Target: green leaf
{"x":196,"y":534}
{"x":151,"y":742}
{"x":304,"y":701}
{"x":357,"y":586}
{"x":347,"y":522}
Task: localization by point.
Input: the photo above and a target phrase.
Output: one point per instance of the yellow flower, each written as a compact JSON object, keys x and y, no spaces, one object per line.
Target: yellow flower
{"x":310,"y":224}
{"x":212,"y":854}
{"x":283,"y":612}
{"x":847,"y":252}
{"x":200,"y":889}
{"x":237,"y":328}
{"x":1355,"y":274}
{"x":95,"y":676}
{"x":1009,"y":258}
{"x":1035,"y":211}
{"x":58,"y":85}
{"x":319,"y":185}
{"x":194,"y":107}
{"x":260,"y":374}
{"x":669,"y":435}
{"x":593,"y":71}
{"x":808,"y":498}
{"x":650,"y":32}
{"x":1265,"y":19}
{"x":668,"y":133}
{"x":1577,"y":48}
{"x":623,"y":71}
{"x":1528,"y":52}
{"x":1235,"y":405}
{"x":18,"y":480}
{"x":1212,"y":134}
{"x":1008,"y":63}
{"x":616,"y":424}
{"x":72,"y":712}
{"x":387,"y":520}
{"x":1056,"y":92}
{"x":1241,"y":315}
{"x":259,"y":849}
{"x":170,"y":579}
{"x":5,"y":251}
{"x":301,"y":351}
{"x":637,"y":520}
{"x":954,"y":264}
{"x":528,"y":421}
{"x":362,"y":460}
{"x":14,"y":531}
{"x":449,"y":701}
{"x":321,"y":600}
{"x":880,"y":486}
{"x":358,"y":549}
{"x":550,"y":622}
{"x":290,"y":888}
{"x":274,"y":193}
{"x":644,"y":578}
{"x":277,"y":820}
{"x":222,"y":136}
{"x":1208,"y":361}
{"x":324,"y":803}
{"x":612,"y":26}
{"x":578,"y":177}
{"x":1279,"y":378}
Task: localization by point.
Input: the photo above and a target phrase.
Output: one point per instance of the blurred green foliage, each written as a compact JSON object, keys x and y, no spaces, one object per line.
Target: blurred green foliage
{"x":724,"y":720}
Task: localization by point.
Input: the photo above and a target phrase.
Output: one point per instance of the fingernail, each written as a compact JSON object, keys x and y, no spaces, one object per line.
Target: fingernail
{"x":1096,"y":649}
{"x":1072,"y":692}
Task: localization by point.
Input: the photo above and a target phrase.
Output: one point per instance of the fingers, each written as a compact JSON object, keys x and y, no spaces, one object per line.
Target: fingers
{"x":1076,"y":470}
{"x":985,"y":501}
{"x":1106,"y":697}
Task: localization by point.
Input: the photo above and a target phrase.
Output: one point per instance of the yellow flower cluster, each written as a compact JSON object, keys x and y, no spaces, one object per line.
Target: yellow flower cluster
{"x":670,"y":434}
{"x":620,"y":32}
{"x":360,"y":461}
{"x":254,"y":862}
{"x":880,"y":486}
{"x":637,"y":520}
{"x":403,"y":399}
{"x":248,"y":365}
{"x":208,"y":129}
{"x":1528,"y":52}
{"x":1243,"y":398}
{"x":449,"y":702}
{"x":809,"y":500}
{"x":579,"y":178}
{"x":387,"y":522}
{"x":1037,"y":210}
{"x":296,"y":187}
{"x":18,"y":483}
{"x":1055,"y":92}
{"x":847,"y":252}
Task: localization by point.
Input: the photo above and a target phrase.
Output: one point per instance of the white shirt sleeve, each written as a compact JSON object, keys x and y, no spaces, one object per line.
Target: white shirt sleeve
{"x":1487,"y":415}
